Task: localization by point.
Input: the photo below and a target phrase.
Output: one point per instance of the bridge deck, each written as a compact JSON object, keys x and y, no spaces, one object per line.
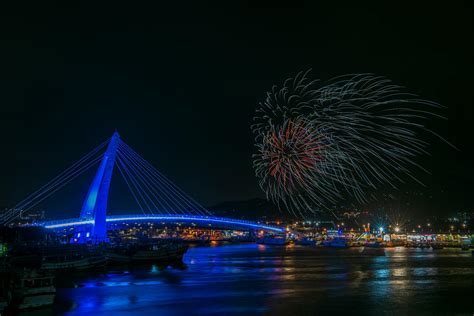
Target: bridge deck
{"x":206,"y":220}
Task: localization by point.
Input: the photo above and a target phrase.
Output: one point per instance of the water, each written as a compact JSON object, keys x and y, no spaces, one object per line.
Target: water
{"x":255,"y":279}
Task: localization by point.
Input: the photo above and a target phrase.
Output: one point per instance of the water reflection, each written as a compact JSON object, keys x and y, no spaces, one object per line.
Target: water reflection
{"x":257,"y":279}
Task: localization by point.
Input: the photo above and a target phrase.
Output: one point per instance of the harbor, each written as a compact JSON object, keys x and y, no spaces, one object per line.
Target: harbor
{"x":275,"y":279}
{"x":34,"y":271}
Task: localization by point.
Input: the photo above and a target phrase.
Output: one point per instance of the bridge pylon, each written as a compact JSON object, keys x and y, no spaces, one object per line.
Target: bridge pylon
{"x":95,"y":204}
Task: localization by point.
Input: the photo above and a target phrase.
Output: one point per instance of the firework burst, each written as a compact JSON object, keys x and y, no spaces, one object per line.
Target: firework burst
{"x":289,"y":156}
{"x":317,"y":143}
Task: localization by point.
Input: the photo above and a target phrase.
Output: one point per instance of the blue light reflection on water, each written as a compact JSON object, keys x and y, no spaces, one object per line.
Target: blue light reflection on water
{"x":251,"y":279}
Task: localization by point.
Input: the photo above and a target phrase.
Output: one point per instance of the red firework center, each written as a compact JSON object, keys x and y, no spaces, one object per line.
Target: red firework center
{"x":292,"y":151}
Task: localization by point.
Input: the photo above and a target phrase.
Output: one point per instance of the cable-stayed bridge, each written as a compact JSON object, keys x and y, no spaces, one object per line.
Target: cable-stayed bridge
{"x":158,"y":199}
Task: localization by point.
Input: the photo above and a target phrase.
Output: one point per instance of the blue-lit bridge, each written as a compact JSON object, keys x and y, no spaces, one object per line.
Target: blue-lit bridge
{"x":203,"y":221}
{"x":158,"y":199}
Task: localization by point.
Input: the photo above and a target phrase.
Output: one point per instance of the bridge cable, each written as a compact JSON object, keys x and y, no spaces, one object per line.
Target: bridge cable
{"x":168,"y":196}
{"x":60,"y":177}
{"x":163,"y":179}
{"x":129,"y":187}
{"x":151,"y":187}
{"x":154,"y":184}
{"x":72,"y":177}
{"x":140,"y":179}
{"x":199,"y":208}
{"x":134,"y":182}
{"x":176,"y":197}
{"x":58,"y":186}
{"x":162,"y":189}
{"x":184,"y":197}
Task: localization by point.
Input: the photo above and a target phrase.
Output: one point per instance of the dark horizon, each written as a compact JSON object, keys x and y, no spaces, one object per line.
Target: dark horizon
{"x":181,"y":87}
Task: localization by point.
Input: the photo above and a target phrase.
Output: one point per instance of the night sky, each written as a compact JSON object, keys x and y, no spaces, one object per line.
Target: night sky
{"x":181,"y":83}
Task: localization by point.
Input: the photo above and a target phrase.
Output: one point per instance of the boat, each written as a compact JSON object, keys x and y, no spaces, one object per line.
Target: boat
{"x":465,"y":243}
{"x":272,"y":240}
{"x":156,"y":252}
{"x":337,"y":242}
{"x":72,"y":262}
{"x":374,"y":244}
{"x":305,"y":241}
{"x":239,"y":239}
{"x":72,"y":257}
{"x":32,"y":289}
{"x":32,"y":260}
{"x":58,"y":257}
{"x":164,"y":252}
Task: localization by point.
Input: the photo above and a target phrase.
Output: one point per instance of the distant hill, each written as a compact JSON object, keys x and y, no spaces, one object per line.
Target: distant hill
{"x":262,"y":210}
{"x":253,"y":209}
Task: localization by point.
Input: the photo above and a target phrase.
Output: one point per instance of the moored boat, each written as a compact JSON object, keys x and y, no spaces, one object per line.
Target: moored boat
{"x":72,"y":257}
{"x":305,"y":241}
{"x":336,"y":243}
{"x":160,"y":252}
{"x":156,"y":252}
{"x":239,"y":239}
{"x":272,"y":240}
{"x":72,"y":262}
{"x":465,"y":243}
{"x":32,"y":289}
{"x":374,"y":244}
{"x":465,"y":247}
